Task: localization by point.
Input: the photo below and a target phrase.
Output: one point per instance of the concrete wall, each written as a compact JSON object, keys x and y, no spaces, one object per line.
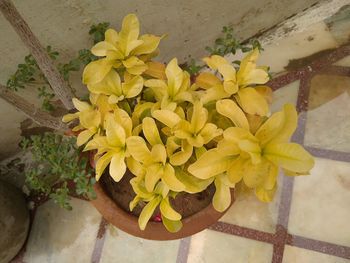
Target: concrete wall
{"x":190,"y":24}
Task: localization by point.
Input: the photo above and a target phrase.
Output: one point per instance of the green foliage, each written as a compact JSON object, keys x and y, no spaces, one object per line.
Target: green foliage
{"x":57,"y":162}
{"x":97,"y":32}
{"x":192,"y":67}
{"x":29,"y":73}
{"x":228,"y":44}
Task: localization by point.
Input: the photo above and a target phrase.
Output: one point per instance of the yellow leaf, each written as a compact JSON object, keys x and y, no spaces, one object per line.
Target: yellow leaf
{"x":99,"y":142}
{"x":192,"y":183}
{"x":182,"y":156}
{"x":95,"y":71}
{"x":266,"y":92}
{"x":84,"y":136}
{"x":236,"y":134}
{"x":199,"y":117}
{"x":149,"y":45}
{"x":70,"y":116}
{"x":111,"y":36}
{"x":153,"y":173}
{"x":254,"y":174}
{"x":170,"y":225}
{"x":222,"y":197}
{"x":109,"y":85}
{"x":158,"y":154}
{"x":81,"y":105}
{"x":215,"y":61}
{"x":137,"y":148}
{"x":206,"y":80}
{"x":252,"y":102}
{"x":230,"y":109}
{"x":174,"y":76}
{"x":209,"y":132}
{"x":167,"y":211}
{"x":289,"y":125}
{"x":236,"y":170}
{"x":270,"y":128}
{"x":228,"y":148}
{"x":166,"y":117}
{"x":101,"y":48}
{"x":156,"y":70}
{"x":290,"y":156}
{"x":213,"y":94}
{"x":134,"y":65}
{"x":133,"y":88}
{"x":147,"y":212}
{"x":252,"y":148}
{"x":117,"y":168}
{"x":265,"y":195}
{"x":171,"y":180}
{"x":129,"y":34}
{"x":150,"y":131}
{"x":134,"y":202}
{"x":115,"y":133}
{"x":102,"y":163}
{"x":135,"y":167}
{"x":211,"y":163}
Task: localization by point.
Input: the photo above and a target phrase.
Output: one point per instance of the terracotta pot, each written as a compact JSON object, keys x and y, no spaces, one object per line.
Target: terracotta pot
{"x":154,"y":230}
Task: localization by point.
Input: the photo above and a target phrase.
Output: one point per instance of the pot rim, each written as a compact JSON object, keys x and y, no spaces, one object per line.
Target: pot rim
{"x":154,"y":230}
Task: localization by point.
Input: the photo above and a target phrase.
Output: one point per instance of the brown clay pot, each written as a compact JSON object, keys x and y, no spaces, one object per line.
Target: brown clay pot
{"x":154,"y":230}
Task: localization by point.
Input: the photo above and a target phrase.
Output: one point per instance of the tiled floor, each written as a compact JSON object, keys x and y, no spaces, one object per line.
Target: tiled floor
{"x":309,"y":220}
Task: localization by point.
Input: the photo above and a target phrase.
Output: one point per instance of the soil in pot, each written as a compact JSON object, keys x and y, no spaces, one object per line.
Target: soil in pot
{"x":184,"y":203}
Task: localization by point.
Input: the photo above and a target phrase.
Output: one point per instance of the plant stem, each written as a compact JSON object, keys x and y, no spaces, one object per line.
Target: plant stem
{"x":40,"y":117}
{"x":58,"y":84}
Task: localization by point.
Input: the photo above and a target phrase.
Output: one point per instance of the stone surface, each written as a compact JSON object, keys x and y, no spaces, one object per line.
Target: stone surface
{"x":328,"y":118}
{"x":210,"y":246}
{"x":295,"y":254}
{"x":320,"y":206}
{"x":14,"y":221}
{"x":59,"y":235}
{"x":122,"y":247}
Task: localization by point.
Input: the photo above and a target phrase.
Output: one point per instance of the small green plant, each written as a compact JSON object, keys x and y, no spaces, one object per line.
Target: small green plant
{"x":29,"y":73}
{"x":224,"y":45}
{"x":58,"y":162}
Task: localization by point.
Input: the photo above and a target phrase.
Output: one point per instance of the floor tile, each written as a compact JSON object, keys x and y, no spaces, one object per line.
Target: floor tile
{"x":286,"y":94}
{"x":295,"y":255}
{"x":248,"y":211}
{"x":60,"y":235}
{"x":122,"y":247}
{"x":345,"y":62}
{"x":210,"y":246}
{"x":316,"y":38}
{"x":328,"y":118}
{"x":320,"y":207}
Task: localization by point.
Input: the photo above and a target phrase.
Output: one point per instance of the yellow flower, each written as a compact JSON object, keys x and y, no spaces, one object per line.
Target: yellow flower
{"x":255,"y":158}
{"x":155,"y":161}
{"x":124,"y":50}
{"x":174,"y":90}
{"x":159,"y":197}
{"x":112,"y":147}
{"x":236,"y":83}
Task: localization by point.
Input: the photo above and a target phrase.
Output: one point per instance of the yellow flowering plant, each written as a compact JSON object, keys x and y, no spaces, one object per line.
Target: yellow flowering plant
{"x":176,"y":133}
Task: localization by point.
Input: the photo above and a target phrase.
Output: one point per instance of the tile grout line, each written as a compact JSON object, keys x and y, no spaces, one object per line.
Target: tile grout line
{"x":329,"y":154}
{"x":244,"y":232}
{"x":319,"y":246}
{"x":99,"y":243}
{"x":184,"y":248}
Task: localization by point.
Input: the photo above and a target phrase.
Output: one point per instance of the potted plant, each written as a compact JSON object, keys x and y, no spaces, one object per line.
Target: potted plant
{"x":163,"y":140}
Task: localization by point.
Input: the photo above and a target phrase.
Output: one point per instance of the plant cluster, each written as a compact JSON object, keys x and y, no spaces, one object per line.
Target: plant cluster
{"x":176,"y":135}
{"x":29,"y":73}
{"x":57,"y":162}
